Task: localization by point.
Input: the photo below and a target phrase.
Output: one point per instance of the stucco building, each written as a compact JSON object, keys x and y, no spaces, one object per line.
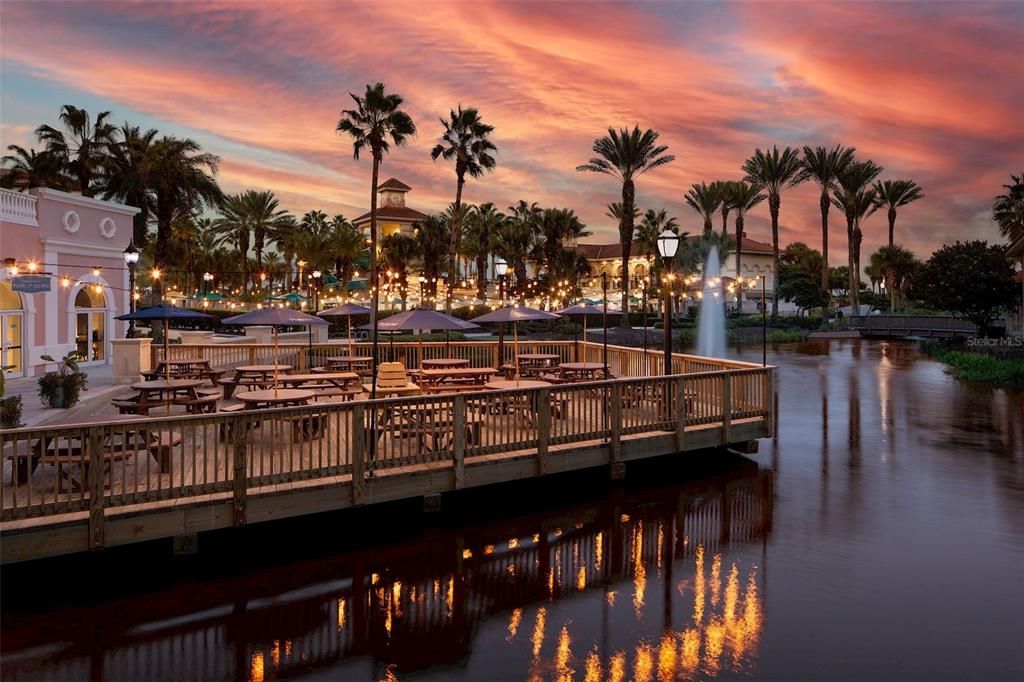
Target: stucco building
{"x":393,"y":215}
{"x":64,"y":277}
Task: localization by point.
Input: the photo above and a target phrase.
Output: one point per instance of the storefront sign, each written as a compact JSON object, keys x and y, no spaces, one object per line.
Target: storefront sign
{"x":31,"y":284}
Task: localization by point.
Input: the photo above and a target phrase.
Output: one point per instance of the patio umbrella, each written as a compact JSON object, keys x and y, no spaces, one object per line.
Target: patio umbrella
{"x":165,"y":312}
{"x":292,"y":297}
{"x":580,"y":310}
{"x":276,"y":317}
{"x":346,"y":310}
{"x":515,"y":314}
{"x":422,"y":318}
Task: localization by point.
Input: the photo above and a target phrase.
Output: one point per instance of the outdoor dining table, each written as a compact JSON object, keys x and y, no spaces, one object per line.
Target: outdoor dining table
{"x":345,"y":363}
{"x":455,"y":378}
{"x":261,"y":376}
{"x":535,"y":364}
{"x":282,"y":397}
{"x":445,"y":363}
{"x":182,"y":366}
{"x":164,"y":392}
{"x":346,"y":382}
{"x":502,"y":384}
{"x":581,"y":371}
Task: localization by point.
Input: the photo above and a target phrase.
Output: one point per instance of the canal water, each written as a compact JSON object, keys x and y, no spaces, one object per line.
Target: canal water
{"x":879,"y":536}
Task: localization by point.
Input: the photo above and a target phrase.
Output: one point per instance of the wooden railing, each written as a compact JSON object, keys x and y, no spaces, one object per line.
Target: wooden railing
{"x":912,"y":325}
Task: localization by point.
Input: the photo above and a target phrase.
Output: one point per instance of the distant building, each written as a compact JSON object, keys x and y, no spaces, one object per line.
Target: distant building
{"x":64,"y":277}
{"x":393,"y":215}
{"x":1016,"y":320}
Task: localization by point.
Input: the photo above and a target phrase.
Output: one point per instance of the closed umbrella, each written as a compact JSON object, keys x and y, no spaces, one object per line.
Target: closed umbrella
{"x":515,"y":314}
{"x":346,"y":310}
{"x":165,"y":312}
{"x":276,"y":317}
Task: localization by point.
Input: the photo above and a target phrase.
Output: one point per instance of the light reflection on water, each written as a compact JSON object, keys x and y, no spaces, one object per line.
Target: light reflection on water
{"x":881,"y":539}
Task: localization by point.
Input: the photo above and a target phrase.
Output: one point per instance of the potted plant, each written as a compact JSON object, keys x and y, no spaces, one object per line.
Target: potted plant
{"x":62,"y":388}
{"x":10,"y":408}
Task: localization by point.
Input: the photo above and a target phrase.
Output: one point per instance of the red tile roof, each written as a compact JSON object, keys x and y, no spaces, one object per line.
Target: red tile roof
{"x":1019,"y":277}
{"x":403,"y":213}
{"x":392,"y":183}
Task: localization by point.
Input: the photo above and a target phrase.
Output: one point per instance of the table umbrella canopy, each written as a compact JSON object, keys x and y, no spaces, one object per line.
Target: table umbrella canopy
{"x":423,"y":319}
{"x":210,"y":296}
{"x":291,"y":297}
{"x":165,"y":311}
{"x":515,"y":314}
{"x":278,"y":317}
{"x":346,"y":310}
{"x":580,"y":310}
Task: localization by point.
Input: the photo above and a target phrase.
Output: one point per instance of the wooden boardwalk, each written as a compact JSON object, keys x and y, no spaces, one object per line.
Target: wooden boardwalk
{"x":73,"y":488}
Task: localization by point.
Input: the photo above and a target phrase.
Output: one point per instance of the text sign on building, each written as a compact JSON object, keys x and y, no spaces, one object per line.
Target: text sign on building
{"x":31,"y":284}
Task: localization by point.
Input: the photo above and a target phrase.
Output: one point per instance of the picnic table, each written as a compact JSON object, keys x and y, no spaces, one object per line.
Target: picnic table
{"x":432,"y":426}
{"x":532,"y":364}
{"x":346,"y":384}
{"x":445,"y":363}
{"x":455,"y":378}
{"x":580,"y":371}
{"x":503,"y":384}
{"x":523,"y":405}
{"x":349,"y":363}
{"x":184,"y":368}
{"x":306,"y":426}
{"x":256,"y":376}
{"x":167,"y":392}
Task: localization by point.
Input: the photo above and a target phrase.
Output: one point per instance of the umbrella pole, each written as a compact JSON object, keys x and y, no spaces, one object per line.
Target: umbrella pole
{"x":584,"y":340}
{"x":515,"y":340}
{"x":277,"y":354}
{"x":167,"y":361}
{"x":419,"y":363}
{"x":350,"y":335}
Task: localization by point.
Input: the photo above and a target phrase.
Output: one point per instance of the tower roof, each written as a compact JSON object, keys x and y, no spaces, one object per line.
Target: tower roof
{"x":393,"y":185}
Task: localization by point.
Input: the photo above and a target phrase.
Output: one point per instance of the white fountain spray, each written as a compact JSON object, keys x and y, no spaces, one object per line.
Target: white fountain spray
{"x":711,"y":325}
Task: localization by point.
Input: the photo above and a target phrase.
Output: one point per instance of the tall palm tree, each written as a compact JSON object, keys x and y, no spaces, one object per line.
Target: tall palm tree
{"x":432,"y":236}
{"x":233,"y":228}
{"x":347,"y":247}
{"x":466,"y":139}
{"x":893,"y":194}
{"x":614,"y":211}
{"x":898,"y":266}
{"x":1008,"y":209}
{"x":646,"y":237}
{"x":854,"y":198}
{"x":29,"y":168}
{"x":824,"y":167}
{"x":626,"y":155}
{"x":264,"y":217}
{"x":724,"y":188}
{"x":82,"y":146}
{"x":484,"y":225}
{"x":127,"y":175}
{"x":516,"y":240}
{"x":181,"y":178}
{"x":560,"y":228}
{"x":398,"y":251}
{"x":745,"y":197}
{"x":375,"y":123}
{"x":705,"y":200}
{"x":775,"y":171}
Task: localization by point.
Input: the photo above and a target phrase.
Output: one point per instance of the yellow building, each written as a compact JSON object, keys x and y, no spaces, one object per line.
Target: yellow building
{"x":392,"y":213}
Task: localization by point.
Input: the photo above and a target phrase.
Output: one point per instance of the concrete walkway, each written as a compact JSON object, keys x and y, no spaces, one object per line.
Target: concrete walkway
{"x":94,"y":401}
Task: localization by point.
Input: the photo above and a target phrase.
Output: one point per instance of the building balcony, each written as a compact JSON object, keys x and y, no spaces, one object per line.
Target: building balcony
{"x":19,"y":208}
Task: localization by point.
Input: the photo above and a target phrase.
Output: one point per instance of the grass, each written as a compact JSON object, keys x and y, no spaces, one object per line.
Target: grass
{"x":785,"y":336}
{"x":984,"y":368}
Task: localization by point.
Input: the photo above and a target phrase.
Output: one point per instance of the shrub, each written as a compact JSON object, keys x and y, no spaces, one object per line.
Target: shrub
{"x":785,"y":336}
{"x":62,"y":388}
{"x":10,"y":412}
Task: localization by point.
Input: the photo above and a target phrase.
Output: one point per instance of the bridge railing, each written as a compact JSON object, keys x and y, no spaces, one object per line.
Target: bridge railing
{"x":913,"y":325}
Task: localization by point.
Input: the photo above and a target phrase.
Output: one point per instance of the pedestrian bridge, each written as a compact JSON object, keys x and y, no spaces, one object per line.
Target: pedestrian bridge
{"x":940,"y":326}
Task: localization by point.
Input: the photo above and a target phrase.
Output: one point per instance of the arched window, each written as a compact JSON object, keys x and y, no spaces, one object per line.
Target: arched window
{"x":11,"y":339}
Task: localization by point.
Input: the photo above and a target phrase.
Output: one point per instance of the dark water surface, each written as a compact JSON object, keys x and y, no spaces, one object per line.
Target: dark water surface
{"x":879,"y":537}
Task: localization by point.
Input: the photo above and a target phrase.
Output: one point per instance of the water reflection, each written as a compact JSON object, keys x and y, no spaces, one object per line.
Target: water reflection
{"x":416,"y":605}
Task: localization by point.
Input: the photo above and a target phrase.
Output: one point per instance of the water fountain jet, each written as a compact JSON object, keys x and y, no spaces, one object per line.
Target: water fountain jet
{"x":711,"y":324}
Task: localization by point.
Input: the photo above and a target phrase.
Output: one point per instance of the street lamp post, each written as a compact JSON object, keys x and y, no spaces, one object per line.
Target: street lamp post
{"x":643,"y":289}
{"x":131,"y":259}
{"x":315,"y":283}
{"x":207,"y":278}
{"x":501,"y":269}
{"x":668,"y":244}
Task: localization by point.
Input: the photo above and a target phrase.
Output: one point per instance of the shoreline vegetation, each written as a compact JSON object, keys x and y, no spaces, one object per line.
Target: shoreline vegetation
{"x":1000,"y":369}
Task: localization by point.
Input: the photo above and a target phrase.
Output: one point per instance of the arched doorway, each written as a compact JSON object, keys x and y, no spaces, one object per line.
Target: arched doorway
{"x":12,"y":334}
{"x":91,"y":323}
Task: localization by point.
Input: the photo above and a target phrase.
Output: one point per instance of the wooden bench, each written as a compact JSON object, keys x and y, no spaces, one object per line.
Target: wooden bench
{"x":204,"y":405}
{"x":126,"y":404}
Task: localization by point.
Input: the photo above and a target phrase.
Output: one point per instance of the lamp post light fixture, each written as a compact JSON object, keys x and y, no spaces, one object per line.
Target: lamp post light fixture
{"x":668,"y":244}
{"x":316,"y":290}
{"x":131,"y":259}
{"x":207,"y":278}
{"x":501,"y":269}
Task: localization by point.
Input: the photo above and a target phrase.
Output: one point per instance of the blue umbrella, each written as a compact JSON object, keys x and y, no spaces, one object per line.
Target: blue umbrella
{"x":423,"y":318}
{"x":165,"y":312}
{"x":582,"y":310}
{"x":514,"y":313}
{"x":276,"y":317}
{"x":346,"y":310}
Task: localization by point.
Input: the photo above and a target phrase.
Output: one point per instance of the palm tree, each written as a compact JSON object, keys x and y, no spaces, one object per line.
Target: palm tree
{"x":347,"y":247}
{"x":233,"y":228}
{"x":181,"y":178}
{"x":465,"y":139}
{"x":432,"y":237}
{"x":82,"y":146}
{"x":824,"y":166}
{"x":723,"y":188}
{"x":126,"y":176}
{"x":898,"y":266}
{"x":29,"y":168}
{"x":705,"y":200}
{"x":376,"y":119}
{"x":516,"y":240}
{"x":852,"y":196}
{"x":646,"y":237}
{"x":745,"y":196}
{"x":1008,"y":209}
{"x":560,"y":228}
{"x":264,"y":217}
{"x":284,"y":239}
{"x":626,"y":155}
{"x":484,"y":224}
{"x":894,"y":194}
{"x":398,"y":252}
{"x":775,"y":171}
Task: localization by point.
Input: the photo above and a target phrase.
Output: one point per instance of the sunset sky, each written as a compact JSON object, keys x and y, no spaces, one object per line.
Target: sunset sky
{"x":932,"y":91}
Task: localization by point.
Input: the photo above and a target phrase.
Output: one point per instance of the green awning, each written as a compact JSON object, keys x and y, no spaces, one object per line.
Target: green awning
{"x":209,"y":296}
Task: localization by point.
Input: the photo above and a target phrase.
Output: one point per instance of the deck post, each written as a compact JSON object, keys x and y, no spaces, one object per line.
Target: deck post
{"x":240,"y":484}
{"x":616,"y":423}
{"x":680,"y":412}
{"x":96,"y":498}
{"x":460,"y":440}
{"x":726,"y":407}
{"x":770,"y":399}
{"x":358,"y":453}
{"x":543,"y":429}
